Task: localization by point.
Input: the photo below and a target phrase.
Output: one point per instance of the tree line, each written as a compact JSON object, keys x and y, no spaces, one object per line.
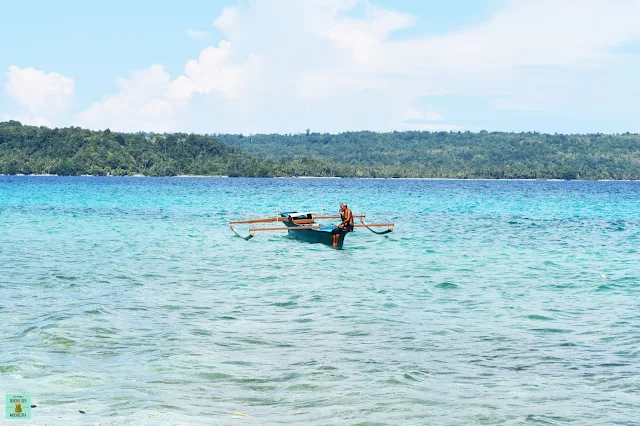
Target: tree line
{"x":503,"y":155}
{"x":77,"y":151}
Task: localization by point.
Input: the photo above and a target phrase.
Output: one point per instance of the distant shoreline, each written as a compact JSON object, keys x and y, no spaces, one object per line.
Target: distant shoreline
{"x":325,"y":177}
{"x":413,"y":155}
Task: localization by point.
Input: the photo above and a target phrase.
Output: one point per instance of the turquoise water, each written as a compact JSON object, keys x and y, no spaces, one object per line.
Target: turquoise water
{"x":494,"y":302}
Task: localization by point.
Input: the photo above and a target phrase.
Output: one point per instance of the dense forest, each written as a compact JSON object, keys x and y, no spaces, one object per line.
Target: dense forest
{"x":460,"y":154}
{"x":76,"y":151}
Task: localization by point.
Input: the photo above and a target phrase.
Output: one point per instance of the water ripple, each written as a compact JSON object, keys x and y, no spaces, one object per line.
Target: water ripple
{"x":492,"y":303}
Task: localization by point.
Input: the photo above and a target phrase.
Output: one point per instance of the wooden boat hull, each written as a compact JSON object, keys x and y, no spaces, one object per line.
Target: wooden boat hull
{"x":317,"y":235}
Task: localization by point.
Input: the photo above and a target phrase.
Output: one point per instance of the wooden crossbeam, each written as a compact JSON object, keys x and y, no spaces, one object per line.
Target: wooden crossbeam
{"x":263,"y":220}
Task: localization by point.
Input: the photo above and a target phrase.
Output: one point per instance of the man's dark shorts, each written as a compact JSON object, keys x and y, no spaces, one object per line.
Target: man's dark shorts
{"x":348,"y":228}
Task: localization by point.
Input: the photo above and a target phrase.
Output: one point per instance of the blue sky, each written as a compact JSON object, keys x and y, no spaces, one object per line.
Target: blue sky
{"x":283,"y":66}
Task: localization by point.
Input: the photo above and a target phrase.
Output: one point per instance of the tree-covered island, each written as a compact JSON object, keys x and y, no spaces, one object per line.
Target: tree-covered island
{"x":410,"y":154}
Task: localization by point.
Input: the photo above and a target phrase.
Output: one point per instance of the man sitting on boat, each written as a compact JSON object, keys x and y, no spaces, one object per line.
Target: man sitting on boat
{"x":345,"y":226}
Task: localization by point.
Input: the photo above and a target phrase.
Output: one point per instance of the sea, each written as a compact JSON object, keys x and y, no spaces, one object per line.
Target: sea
{"x":128,"y":300}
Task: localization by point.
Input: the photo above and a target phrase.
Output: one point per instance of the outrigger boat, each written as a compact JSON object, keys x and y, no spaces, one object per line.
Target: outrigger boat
{"x":303,"y":226}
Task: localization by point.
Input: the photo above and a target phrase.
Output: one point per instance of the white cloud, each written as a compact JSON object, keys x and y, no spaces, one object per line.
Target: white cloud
{"x":42,"y":98}
{"x":150,"y":100}
{"x":140,"y":104}
{"x":29,"y":119}
{"x":492,"y":58}
{"x":197,"y":34}
{"x":228,"y":20}
{"x":180,"y":90}
{"x":216,"y":71}
{"x":285,"y":65}
{"x":38,"y":91}
{"x":363,"y":36}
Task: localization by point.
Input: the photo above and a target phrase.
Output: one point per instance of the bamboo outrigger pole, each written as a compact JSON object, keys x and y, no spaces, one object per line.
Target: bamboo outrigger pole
{"x":368,"y":225}
{"x":304,"y":228}
{"x":285,"y":219}
{"x":263,"y":220}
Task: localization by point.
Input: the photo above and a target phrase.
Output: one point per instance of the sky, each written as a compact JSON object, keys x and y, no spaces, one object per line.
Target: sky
{"x":284,"y":66}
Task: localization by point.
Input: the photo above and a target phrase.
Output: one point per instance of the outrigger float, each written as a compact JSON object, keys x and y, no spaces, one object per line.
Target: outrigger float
{"x":303,"y":226}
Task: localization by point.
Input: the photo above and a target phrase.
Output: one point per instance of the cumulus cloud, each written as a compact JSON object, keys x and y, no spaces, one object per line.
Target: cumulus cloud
{"x":150,"y":100}
{"x":216,"y":71}
{"x":363,"y":36}
{"x":335,"y":65}
{"x":40,"y":95}
{"x":228,"y":20}
{"x":139,"y":105}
